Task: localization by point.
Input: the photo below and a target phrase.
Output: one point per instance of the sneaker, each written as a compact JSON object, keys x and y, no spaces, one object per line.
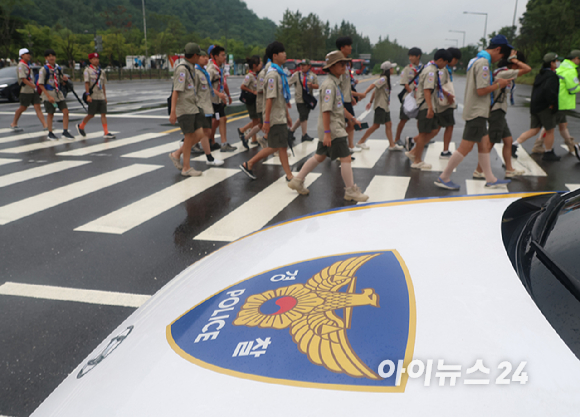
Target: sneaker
{"x":423,"y":166}
{"x":355,"y":149}
{"x":197,"y":149}
{"x":570,"y":144}
{"x":514,"y":151}
{"x":215,"y":163}
{"x":243,"y":139}
{"x":307,"y":138}
{"x":297,"y":184}
{"x":191,"y":173}
{"x":497,"y":184}
{"x":176,"y":162}
{"x":110,"y":136}
{"x":81,"y":131}
{"x":409,"y":143}
{"x":577,"y":151}
{"x":52,"y":136}
{"x":514,"y":173}
{"x":247,"y":171}
{"x":362,"y":146}
{"x":478,"y":175}
{"x":263,"y":142}
{"x":550,"y":156}
{"x":445,"y":155}
{"x":215,"y":146}
{"x":448,"y":185}
{"x":410,"y":156}
{"x":396,"y":148}
{"x":354,"y":194}
{"x":17,"y":129}
{"x":255,"y":143}
{"x":226,"y":147}
{"x":67,"y":135}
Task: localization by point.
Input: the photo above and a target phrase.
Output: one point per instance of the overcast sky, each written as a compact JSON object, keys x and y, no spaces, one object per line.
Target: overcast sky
{"x":422,"y":23}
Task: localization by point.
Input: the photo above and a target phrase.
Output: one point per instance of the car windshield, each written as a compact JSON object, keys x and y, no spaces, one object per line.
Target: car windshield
{"x":8,"y":72}
{"x":290,"y":65}
{"x":356,"y":65}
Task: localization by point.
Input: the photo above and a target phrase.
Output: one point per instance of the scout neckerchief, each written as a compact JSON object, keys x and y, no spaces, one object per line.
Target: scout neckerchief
{"x":450,"y":71}
{"x":416,"y":70}
{"x":202,"y":69}
{"x":97,"y":71}
{"x":27,"y":66}
{"x":53,"y":74}
{"x":486,"y":55}
{"x":221,"y":75}
{"x":285,"y":86}
{"x":304,"y":80}
{"x":513,"y":86}
{"x":439,"y":87}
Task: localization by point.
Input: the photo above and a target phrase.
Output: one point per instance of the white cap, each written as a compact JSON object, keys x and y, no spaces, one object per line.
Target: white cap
{"x":386,"y":66}
{"x":23,"y":51}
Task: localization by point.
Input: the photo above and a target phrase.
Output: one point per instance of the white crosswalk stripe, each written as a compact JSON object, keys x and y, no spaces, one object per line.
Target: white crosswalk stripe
{"x":432,"y":156}
{"x":31,"y":135}
{"x":368,"y":158}
{"x":523,"y":162}
{"x":128,"y":217}
{"x":301,"y":151}
{"x":154,"y":151}
{"x":50,"y":143}
{"x":573,"y":187}
{"x":477,"y":187}
{"x":40,"y":202}
{"x":38,"y":172}
{"x":6,"y":161}
{"x":387,"y":188}
{"x":222,"y":155}
{"x":254,"y":213}
{"x":112,"y":144}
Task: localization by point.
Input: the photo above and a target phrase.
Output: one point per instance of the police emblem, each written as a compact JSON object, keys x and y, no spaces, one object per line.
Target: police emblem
{"x":306,"y":324}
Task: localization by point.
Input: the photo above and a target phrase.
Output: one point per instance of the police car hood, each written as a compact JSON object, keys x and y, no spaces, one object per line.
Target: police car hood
{"x":309,"y":317}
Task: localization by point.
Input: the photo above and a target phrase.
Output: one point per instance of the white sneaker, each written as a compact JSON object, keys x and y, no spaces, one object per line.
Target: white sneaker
{"x":191,"y":173}
{"x":215,"y":163}
{"x":478,"y":175}
{"x":362,"y":146}
{"x":514,"y":173}
{"x":396,"y":148}
{"x":423,"y":166}
{"x":19,"y":129}
{"x":410,"y":156}
{"x":355,"y":149}
{"x":354,"y":194}
{"x":297,"y":184}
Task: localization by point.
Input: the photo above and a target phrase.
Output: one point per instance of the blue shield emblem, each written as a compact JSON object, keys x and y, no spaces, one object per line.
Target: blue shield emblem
{"x":323,"y":323}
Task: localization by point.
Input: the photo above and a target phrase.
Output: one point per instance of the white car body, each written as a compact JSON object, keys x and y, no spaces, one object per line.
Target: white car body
{"x":469,"y":304}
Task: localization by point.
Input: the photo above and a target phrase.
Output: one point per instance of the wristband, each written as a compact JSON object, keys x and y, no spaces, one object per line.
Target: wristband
{"x":327,"y":131}
{"x":267,"y":123}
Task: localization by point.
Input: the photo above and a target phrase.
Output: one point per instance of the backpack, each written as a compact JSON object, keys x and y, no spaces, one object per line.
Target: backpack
{"x":46,"y":75}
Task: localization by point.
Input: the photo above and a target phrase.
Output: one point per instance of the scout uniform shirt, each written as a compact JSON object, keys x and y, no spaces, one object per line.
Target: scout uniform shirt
{"x":185,"y":84}
{"x":251,"y":82}
{"x":438,"y":107}
{"x":427,"y":81}
{"x":203,"y":90}
{"x":478,"y":76}
{"x":500,"y":101}
{"x":51,"y":84}
{"x":332,"y":102}
{"x":382,"y":94}
{"x":90,"y":76}
{"x":261,"y":99}
{"x":215,"y":75}
{"x":299,"y":76}
{"x":25,"y":73}
{"x":345,"y":85}
{"x":273,"y":86}
{"x":407,"y":75}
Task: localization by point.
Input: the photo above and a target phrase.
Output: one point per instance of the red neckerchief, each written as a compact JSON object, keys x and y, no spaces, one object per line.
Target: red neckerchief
{"x":54,"y":75}
{"x":350,"y":72}
{"x":222,"y":82}
{"x":252,"y":72}
{"x":27,"y":66}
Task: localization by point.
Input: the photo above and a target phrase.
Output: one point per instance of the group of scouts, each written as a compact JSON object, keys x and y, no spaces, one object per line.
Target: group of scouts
{"x":48,"y":87}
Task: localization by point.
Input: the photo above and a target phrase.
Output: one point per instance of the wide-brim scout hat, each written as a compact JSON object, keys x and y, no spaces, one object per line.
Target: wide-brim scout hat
{"x":551,"y":56}
{"x":334,"y":57}
{"x":192,"y":49}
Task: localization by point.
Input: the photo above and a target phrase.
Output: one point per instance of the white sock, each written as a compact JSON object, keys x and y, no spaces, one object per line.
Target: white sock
{"x":484,"y":162}
{"x":346,"y":172}
{"x":453,"y":163}
{"x":518,"y":144}
{"x":307,"y":168}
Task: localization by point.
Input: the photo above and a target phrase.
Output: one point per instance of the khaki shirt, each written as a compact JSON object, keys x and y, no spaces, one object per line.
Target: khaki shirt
{"x":49,"y":86}
{"x":427,"y":81}
{"x":407,"y":75}
{"x":203,"y":90}
{"x":250,"y":81}
{"x":331,"y":101}
{"x":502,"y":104}
{"x":215,"y":77}
{"x":345,"y":85}
{"x":260,"y":100}
{"x":478,"y":76}
{"x":273,"y":86}
{"x":382,"y":94}
{"x":298,"y":77}
{"x":182,"y":82}
{"x":90,"y":76}
{"x":445,"y":79}
{"x":23,"y":73}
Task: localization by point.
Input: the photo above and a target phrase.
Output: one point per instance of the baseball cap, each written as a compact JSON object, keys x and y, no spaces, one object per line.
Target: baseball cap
{"x":93,"y":55}
{"x":210,"y":49}
{"x":305,"y":61}
{"x":500,"y":40}
{"x":203,"y":53}
{"x":574,"y":54}
{"x":23,"y":51}
{"x":386,"y":66}
{"x":551,"y":56}
{"x":192,"y":49}
{"x":334,"y":57}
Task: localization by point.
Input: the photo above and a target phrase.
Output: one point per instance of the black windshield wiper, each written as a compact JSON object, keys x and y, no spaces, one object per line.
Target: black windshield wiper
{"x":561,"y":275}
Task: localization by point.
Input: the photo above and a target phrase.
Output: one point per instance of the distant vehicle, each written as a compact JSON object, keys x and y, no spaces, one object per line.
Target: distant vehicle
{"x":292,"y":65}
{"x":317,"y":67}
{"x":358,"y":66}
{"x":9,"y":87}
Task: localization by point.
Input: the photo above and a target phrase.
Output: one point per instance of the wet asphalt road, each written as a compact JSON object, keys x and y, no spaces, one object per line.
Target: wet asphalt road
{"x":75,"y":241}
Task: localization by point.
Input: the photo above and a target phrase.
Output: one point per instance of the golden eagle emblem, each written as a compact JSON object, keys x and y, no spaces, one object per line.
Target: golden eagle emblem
{"x":309,"y":311}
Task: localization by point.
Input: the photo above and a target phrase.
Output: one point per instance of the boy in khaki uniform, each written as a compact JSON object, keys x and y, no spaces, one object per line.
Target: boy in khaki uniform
{"x":409,"y":81}
{"x":250,"y":85}
{"x":445,"y":113}
{"x":332,"y":128}
{"x":477,"y":105}
{"x":261,"y":99}
{"x":276,"y":117}
{"x":303,"y":80}
{"x":50,"y":82}
{"x":95,"y":80}
{"x":28,"y":93}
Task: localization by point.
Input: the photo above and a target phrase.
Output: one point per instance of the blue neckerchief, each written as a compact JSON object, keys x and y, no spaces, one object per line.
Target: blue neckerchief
{"x":202,"y":69}
{"x":450,"y":71}
{"x":486,"y":55}
{"x":285,"y":86}
{"x":439,"y":88}
{"x":417,"y":69}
